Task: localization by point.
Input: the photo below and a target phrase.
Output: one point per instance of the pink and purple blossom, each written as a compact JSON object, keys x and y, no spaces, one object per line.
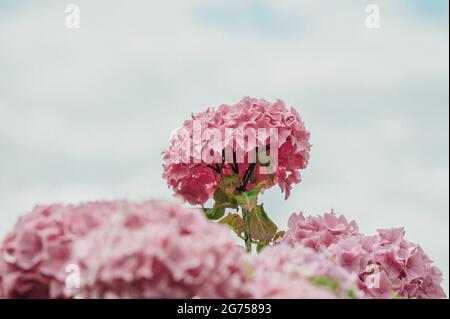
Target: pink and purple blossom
{"x":387,"y":265}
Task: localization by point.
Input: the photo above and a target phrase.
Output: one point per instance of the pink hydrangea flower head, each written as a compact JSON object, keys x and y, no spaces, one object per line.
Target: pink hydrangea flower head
{"x":284,"y":271}
{"x":387,"y":265}
{"x":318,"y":232}
{"x":194,"y":176}
{"x":160,"y":249}
{"x":36,"y":252}
{"x":397,"y":268}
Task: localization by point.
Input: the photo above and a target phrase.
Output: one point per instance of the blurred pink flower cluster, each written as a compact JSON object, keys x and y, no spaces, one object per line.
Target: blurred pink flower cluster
{"x":387,"y":265}
{"x":154,"y":249}
{"x":186,"y":171}
{"x":149,"y":249}
{"x":164,"y":250}
{"x":34,"y":255}
{"x":160,"y":250}
{"x":298,"y":272}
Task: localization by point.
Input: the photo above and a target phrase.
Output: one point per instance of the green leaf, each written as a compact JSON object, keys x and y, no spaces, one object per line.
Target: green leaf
{"x":229,"y":183}
{"x":247,"y":200}
{"x":261,"y":245}
{"x":325,"y":282}
{"x":260,"y":186}
{"x":223,"y":200}
{"x":235,"y":222}
{"x":351,"y":294}
{"x":214,"y":213}
{"x":279,"y":234}
{"x":396,"y":296}
{"x":249,"y":270}
{"x":220,"y":196}
{"x":261,"y":227}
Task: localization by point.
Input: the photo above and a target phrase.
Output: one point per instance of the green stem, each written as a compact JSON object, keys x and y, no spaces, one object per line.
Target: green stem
{"x":247,"y":237}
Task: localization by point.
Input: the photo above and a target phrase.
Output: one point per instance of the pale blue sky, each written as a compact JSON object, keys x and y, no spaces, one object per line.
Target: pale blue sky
{"x":85,"y":114}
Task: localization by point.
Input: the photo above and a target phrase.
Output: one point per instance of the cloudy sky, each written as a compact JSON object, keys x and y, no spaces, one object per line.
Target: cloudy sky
{"x":85,"y":113}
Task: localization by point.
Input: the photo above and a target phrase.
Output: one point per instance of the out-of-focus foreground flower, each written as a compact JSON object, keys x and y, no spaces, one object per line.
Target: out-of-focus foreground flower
{"x":35,"y":254}
{"x":160,"y":250}
{"x":153,"y":249}
{"x":141,"y":250}
{"x":283,"y":271}
{"x":154,"y":254}
{"x":388,"y":266}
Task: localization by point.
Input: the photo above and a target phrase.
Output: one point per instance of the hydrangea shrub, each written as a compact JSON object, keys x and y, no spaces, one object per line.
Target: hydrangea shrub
{"x":387,"y":265}
{"x":219,"y":160}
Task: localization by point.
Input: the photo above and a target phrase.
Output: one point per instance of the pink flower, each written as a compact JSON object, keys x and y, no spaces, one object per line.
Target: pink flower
{"x":35,"y":253}
{"x":403,"y":267}
{"x":280,"y":286}
{"x":283,"y":271}
{"x":318,"y":231}
{"x":195,"y":179}
{"x":387,"y":265}
{"x":160,"y":250}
